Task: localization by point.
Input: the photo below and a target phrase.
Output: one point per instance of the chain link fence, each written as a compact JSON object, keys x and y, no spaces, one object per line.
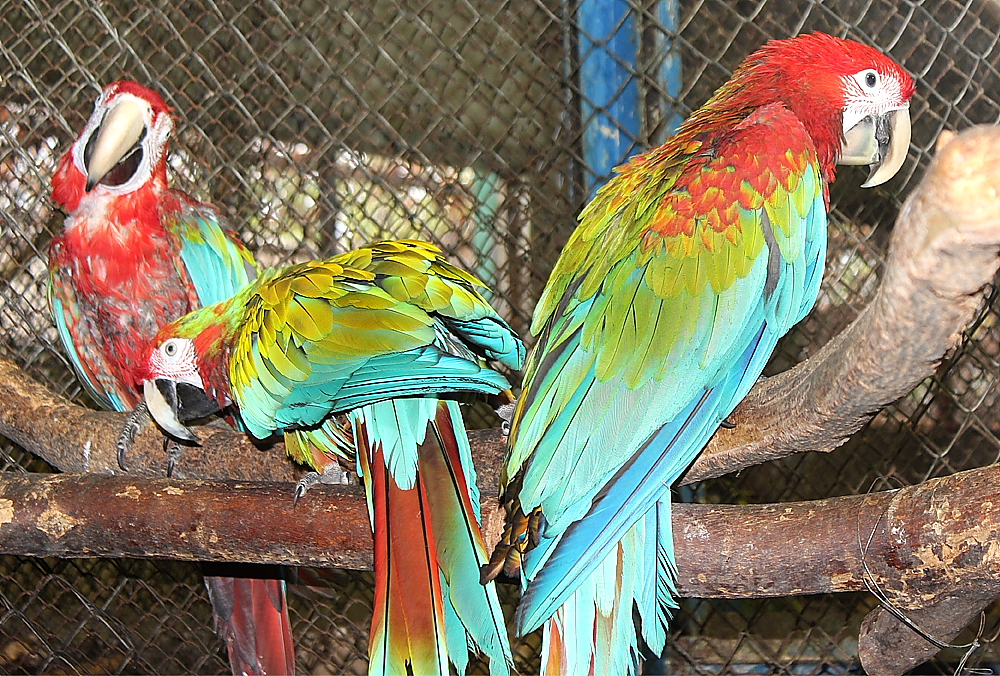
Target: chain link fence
{"x":318,"y":126}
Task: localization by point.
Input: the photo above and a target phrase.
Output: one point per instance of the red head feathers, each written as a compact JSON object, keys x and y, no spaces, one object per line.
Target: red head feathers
{"x":831,"y":85}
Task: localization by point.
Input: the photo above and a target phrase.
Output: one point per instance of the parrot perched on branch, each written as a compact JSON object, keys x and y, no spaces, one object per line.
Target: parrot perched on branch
{"x":660,"y":314}
{"x":353,"y":358}
{"x":133,"y":256}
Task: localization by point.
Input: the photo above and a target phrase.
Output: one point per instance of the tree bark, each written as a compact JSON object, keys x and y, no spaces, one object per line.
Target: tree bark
{"x":72,"y":438}
{"x":943,"y":252}
{"x":921,"y":544}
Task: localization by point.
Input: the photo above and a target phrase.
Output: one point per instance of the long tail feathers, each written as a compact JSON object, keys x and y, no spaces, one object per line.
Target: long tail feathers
{"x":408,"y":631}
{"x":252,"y":618}
{"x":594,"y":631}
{"x":445,"y":464}
{"x":429,"y":604}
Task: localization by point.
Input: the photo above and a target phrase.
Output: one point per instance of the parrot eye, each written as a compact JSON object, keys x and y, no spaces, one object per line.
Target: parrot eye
{"x":871,"y":79}
{"x":170,"y":348}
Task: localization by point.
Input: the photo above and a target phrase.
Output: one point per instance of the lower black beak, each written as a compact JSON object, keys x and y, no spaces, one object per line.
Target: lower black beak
{"x":170,"y":403}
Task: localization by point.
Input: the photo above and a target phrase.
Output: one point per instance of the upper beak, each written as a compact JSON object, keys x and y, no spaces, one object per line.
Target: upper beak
{"x":880,"y":141}
{"x":121,"y":129}
{"x":162,"y":402}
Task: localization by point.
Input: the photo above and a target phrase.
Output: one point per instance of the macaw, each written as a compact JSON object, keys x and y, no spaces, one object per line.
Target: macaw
{"x":134,"y":255}
{"x":659,"y":316}
{"x":354,"y":358}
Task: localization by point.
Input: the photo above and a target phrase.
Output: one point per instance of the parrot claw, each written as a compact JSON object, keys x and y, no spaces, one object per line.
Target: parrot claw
{"x":522,"y":533}
{"x":174,"y":451}
{"x":332,"y":474}
{"x":727,"y":425}
{"x":506,"y":413}
{"x":138,"y":419}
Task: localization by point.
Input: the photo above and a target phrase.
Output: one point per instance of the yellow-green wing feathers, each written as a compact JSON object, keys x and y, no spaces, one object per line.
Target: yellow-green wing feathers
{"x":383,"y":321}
{"x":654,"y":296}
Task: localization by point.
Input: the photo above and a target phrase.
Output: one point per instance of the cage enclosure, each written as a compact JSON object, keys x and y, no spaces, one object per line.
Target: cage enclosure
{"x":319,"y":126}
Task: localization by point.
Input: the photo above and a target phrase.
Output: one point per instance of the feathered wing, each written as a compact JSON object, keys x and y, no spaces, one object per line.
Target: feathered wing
{"x":381,"y":333}
{"x":81,"y":340}
{"x":658,"y":318}
{"x":215,"y":261}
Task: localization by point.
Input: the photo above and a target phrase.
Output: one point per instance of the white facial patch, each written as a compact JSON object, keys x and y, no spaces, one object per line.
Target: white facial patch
{"x":176,"y":360}
{"x":158,"y":129}
{"x":870,"y":93}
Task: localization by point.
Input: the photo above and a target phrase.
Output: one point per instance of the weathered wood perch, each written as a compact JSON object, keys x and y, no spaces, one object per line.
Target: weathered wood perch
{"x":929,"y":540}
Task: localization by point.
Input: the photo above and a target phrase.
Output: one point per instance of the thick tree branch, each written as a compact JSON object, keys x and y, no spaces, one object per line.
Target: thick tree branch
{"x":72,"y":438}
{"x":921,"y":544}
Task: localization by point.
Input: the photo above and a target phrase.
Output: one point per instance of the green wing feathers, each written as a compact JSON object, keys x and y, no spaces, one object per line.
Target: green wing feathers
{"x":387,"y":320}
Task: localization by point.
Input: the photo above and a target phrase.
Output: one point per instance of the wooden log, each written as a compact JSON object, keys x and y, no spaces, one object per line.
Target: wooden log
{"x":920,"y":544}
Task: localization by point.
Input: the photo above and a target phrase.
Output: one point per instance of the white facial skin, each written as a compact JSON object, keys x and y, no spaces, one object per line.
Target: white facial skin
{"x":870,"y":93}
{"x":874,"y":108}
{"x":174,"y":360}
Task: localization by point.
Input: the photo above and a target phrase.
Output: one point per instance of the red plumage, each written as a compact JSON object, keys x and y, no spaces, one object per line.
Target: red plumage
{"x":119,"y":273}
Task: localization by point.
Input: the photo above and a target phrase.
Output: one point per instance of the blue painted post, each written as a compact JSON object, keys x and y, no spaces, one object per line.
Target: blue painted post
{"x":608,"y":53}
{"x":612,"y":111}
{"x":670,"y":70}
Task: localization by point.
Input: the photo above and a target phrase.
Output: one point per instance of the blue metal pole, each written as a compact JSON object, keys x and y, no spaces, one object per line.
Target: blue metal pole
{"x":670,"y":70}
{"x":608,"y":52}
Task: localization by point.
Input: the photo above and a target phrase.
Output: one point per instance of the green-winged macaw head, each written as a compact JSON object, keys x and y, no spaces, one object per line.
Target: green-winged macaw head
{"x":124,"y":142}
{"x":876,"y":122}
{"x":852,"y":99}
{"x":173,"y":388}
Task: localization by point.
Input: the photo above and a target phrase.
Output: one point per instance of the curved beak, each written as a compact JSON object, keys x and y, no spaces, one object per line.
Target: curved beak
{"x":164,"y":405}
{"x":120,"y":130}
{"x":880,"y":141}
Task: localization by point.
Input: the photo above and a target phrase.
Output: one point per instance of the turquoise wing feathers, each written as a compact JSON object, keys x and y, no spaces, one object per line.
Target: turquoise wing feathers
{"x":372,"y":324}
{"x":217,"y":264}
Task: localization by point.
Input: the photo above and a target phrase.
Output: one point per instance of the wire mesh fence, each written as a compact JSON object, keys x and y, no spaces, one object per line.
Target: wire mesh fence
{"x":318,"y":126}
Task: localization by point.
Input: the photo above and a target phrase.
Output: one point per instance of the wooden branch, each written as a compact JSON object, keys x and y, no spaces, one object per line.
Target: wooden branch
{"x":71,"y":515}
{"x":927,"y":542}
{"x":76,"y":439}
{"x":887,"y":646}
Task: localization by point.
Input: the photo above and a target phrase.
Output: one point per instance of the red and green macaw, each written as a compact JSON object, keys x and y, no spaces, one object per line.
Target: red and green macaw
{"x":133,"y":256}
{"x":354,"y":358}
{"x":659,"y":316}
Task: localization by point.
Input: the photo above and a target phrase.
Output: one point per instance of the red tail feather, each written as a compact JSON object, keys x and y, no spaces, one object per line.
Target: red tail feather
{"x":408,"y":624}
{"x":251,"y":617}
